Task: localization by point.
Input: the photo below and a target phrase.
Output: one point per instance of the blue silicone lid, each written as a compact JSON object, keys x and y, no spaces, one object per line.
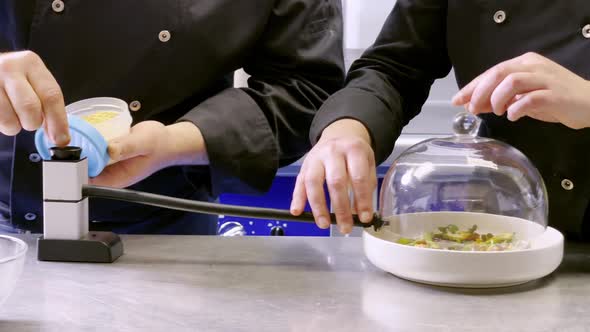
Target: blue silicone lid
{"x":83,"y":135}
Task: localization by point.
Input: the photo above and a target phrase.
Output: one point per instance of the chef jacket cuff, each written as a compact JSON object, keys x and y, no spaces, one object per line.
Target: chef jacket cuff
{"x":361,"y":105}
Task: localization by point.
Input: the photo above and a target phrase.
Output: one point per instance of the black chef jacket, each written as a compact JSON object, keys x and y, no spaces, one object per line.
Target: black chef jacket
{"x":174,"y":60}
{"x":423,"y":39}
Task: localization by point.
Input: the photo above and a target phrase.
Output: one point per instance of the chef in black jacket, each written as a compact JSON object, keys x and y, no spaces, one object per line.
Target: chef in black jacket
{"x":194,"y":136}
{"x":522,"y":65}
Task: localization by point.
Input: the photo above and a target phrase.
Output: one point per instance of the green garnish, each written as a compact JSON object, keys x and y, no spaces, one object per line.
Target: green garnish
{"x":450,"y":237}
{"x":406,"y":241}
{"x":453,"y":228}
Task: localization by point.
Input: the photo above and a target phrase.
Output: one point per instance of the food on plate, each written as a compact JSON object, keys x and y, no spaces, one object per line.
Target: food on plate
{"x":450,"y":237}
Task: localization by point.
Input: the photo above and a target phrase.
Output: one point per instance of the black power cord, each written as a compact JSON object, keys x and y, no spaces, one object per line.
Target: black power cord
{"x":188,"y":205}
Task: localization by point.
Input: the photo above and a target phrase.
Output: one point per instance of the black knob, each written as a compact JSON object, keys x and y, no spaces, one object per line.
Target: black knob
{"x":277,"y":231}
{"x":66,"y":153}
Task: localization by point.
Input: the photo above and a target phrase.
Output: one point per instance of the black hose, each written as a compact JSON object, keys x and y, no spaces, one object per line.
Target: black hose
{"x":188,"y":205}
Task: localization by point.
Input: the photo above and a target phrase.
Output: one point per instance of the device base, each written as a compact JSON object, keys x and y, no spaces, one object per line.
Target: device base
{"x":95,"y":247}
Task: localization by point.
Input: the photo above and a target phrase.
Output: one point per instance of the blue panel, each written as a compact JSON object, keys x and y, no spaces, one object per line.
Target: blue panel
{"x":279,"y":197}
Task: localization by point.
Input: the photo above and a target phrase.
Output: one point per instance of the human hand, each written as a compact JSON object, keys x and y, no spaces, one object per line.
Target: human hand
{"x":30,"y":97}
{"x":149,"y":147}
{"x":530,"y":85}
{"x":343,"y":156}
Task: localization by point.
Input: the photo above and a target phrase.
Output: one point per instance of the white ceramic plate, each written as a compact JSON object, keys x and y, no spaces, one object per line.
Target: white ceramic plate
{"x":460,"y":268}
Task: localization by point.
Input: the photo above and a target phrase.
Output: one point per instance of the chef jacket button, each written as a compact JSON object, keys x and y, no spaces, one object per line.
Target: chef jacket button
{"x":34,"y":157}
{"x":586,"y":31}
{"x":30,"y":216}
{"x":58,"y":6}
{"x":500,"y":16}
{"x":135,"y":105}
{"x":164,"y":36}
{"x":567,"y":184}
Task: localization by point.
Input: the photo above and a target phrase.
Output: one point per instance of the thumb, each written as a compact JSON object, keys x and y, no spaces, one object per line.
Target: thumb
{"x":137,"y":143}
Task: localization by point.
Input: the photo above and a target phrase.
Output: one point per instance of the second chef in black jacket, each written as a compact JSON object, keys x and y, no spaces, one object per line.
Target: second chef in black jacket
{"x":525,"y":61}
{"x":171,"y":61}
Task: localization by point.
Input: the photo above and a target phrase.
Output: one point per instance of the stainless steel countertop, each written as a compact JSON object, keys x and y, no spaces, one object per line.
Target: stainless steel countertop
{"x":185,"y":283}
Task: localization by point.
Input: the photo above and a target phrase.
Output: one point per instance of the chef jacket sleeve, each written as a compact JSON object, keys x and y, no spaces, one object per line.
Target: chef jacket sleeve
{"x":294,"y":67}
{"x":389,"y":84}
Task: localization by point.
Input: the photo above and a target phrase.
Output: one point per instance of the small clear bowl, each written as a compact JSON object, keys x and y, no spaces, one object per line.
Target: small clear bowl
{"x":12,"y":258}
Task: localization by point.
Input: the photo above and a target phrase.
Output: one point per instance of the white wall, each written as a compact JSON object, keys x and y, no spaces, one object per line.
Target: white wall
{"x":363,"y":21}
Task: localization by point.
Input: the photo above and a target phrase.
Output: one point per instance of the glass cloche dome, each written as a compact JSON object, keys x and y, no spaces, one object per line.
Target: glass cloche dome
{"x":464,"y":193}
